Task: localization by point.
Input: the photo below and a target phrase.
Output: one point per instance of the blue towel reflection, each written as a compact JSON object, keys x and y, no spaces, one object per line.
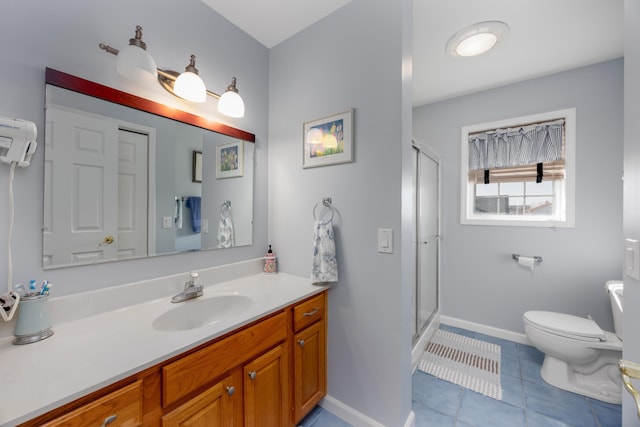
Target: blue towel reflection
{"x":193,"y":203}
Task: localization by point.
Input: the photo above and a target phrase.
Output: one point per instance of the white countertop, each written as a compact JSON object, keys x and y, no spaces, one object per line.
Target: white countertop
{"x":89,"y":353}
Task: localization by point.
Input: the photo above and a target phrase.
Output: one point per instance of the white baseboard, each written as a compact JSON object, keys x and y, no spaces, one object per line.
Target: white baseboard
{"x":354,"y":417}
{"x":484,"y":329}
{"x":427,"y":334}
{"x":411,"y":420}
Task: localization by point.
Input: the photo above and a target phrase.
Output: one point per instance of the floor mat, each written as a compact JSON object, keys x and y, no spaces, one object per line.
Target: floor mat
{"x":468,"y":362}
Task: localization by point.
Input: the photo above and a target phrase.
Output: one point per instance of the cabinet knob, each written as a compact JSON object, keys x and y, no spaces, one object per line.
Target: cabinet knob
{"x":108,"y":420}
{"x":301,"y":342}
{"x":252,"y":375}
{"x":230,"y":390}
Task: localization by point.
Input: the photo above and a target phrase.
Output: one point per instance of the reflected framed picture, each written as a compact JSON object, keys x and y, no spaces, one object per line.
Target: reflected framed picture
{"x":229,"y":160}
{"x":328,"y":141}
{"x":196,"y":167}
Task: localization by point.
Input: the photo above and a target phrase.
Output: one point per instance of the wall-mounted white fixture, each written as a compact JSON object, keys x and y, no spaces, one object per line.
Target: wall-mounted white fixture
{"x":136,"y":63}
{"x":476,"y":39}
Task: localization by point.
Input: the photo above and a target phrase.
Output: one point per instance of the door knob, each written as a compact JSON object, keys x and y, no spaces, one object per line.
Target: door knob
{"x":108,"y":240}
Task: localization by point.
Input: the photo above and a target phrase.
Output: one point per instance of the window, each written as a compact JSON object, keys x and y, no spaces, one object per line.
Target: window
{"x":520,"y":171}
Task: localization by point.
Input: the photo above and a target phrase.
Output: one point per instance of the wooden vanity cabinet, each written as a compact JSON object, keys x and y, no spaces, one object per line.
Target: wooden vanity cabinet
{"x":310,"y":354}
{"x":211,"y":408}
{"x":266,"y":389}
{"x":122,"y":407}
{"x":269,"y":373}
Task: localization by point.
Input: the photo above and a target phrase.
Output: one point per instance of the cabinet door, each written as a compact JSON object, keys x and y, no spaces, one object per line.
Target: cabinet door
{"x":310,"y":368}
{"x":266,"y":389}
{"x":211,"y":408}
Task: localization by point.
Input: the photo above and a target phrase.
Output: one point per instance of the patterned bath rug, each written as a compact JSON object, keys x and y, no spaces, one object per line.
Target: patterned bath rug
{"x":468,"y":362}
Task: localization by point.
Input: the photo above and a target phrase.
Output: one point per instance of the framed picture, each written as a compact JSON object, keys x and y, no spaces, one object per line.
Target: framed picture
{"x":229,"y":160}
{"x":328,"y":141}
{"x":196,"y":168}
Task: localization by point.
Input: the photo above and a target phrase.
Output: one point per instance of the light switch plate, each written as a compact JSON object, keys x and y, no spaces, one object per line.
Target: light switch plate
{"x":632,"y":258}
{"x":385,"y":240}
{"x":204,"y":225}
{"x":167,"y":222}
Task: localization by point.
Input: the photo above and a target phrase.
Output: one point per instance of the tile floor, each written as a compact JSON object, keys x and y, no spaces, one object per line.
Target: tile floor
{"x":527,"y":400}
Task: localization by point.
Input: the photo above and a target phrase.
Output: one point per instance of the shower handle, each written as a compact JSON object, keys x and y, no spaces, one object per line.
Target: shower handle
{"x":435,"y":237}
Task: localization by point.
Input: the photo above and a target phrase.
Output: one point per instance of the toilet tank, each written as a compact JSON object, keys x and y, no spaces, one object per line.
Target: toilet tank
{"x":614,"y":288}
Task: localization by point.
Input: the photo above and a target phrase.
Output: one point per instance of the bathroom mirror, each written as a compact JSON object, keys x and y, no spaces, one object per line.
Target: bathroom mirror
{"x":127,"y":178}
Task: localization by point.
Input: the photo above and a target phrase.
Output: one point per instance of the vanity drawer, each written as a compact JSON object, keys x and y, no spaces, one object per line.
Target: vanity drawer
{"x":125,"y":404}
{"x":308,"y":312}
{"x":192,"y":372}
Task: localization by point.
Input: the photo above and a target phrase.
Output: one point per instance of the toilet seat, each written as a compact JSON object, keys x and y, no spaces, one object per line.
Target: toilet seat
{"x":566,"y":325}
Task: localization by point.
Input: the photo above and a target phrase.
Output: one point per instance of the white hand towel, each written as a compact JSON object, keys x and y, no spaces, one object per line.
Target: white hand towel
{"x":226,"y":235}
{"x":178,"y":214}
{"x":325,"y":264}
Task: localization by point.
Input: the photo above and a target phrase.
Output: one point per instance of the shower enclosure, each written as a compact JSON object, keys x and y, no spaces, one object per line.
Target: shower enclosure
{"x":427,"y":245}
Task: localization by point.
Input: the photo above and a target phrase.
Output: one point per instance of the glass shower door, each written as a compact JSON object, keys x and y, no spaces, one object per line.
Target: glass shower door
{"x":427,"y":239}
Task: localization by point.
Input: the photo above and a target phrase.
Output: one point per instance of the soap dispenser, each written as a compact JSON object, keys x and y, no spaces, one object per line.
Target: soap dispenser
{"x":270,"y":261}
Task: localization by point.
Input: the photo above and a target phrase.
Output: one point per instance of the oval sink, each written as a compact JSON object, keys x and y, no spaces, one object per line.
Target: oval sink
{"x":195,"y":313}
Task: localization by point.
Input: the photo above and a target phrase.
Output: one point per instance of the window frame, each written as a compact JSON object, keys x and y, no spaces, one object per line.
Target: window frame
{"x":467,"y":191}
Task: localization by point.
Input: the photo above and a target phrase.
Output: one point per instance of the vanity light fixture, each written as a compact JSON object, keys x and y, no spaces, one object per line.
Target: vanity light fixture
{"x":135,"y":62}
{"x":189,"y":85}
{"x":476,"y":39}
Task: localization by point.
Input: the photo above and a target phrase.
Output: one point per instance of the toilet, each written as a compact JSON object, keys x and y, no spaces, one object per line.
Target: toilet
{"x":579,"y":356}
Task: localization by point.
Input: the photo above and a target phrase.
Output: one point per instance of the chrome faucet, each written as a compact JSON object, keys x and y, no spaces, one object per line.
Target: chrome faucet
{"x":191,"y":289}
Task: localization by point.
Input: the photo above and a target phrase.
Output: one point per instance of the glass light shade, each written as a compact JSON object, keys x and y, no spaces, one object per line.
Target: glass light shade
{"x":190,"y":86}
{"x":135,"y":63}
{"x":477,"y":44}
{"x":476,"y":39}
{"x":231,"y":104}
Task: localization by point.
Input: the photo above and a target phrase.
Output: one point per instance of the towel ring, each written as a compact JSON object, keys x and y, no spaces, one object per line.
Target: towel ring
{"x":225,"y":208}
{"x":326,"y":202}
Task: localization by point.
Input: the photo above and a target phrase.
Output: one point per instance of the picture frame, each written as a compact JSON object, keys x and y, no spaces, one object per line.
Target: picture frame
{"x":230,"y":160}
{"x":328,"y":141}
{"x":196,"y":167}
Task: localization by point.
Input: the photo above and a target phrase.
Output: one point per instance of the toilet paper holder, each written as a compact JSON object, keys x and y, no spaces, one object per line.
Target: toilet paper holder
{"x":537,"y":259}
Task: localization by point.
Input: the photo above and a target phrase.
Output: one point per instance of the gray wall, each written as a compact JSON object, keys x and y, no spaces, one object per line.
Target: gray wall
{"x":480,"y":281}
{"x":631,"y":349}
{"x":351,"y":59}
{"x":193,"y":138}
{"x":64,"y":35}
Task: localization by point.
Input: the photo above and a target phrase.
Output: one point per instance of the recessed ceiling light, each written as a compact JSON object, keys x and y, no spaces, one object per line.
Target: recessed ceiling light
{"x":476,"y":39}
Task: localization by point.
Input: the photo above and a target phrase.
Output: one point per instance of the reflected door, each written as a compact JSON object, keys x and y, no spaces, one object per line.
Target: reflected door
{"x":81,"y":226}
{"x":96,"y":202}
{"x":427,"y":239}
{"x":132,"y":194}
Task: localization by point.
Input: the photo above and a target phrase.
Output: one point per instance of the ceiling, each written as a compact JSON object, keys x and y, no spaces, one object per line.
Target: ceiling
{"x":546,"y":36}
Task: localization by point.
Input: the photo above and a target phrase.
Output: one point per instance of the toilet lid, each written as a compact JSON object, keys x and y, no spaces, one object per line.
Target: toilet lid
{"x":566,"y":325}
